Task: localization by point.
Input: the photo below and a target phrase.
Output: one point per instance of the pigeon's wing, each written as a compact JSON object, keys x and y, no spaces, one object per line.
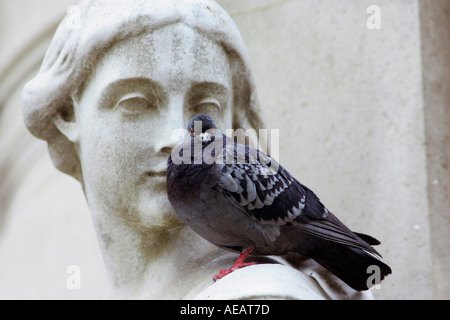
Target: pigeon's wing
{"x":264,"y":190}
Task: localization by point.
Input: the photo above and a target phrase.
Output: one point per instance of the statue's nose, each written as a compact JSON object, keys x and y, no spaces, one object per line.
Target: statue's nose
{"x":171,"y":127}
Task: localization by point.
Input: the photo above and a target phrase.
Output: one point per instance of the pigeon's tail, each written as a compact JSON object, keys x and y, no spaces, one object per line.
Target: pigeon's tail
{"x":355,"y":266}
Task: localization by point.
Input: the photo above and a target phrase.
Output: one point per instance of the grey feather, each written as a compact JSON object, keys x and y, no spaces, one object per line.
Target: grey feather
{"x":227,"y":182}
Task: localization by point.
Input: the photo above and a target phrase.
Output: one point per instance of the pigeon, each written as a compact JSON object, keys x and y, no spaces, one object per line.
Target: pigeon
{"x":240,"y":199}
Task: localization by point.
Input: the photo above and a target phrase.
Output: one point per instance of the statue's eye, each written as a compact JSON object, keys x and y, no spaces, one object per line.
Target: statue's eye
{"x":209,"y":106}
{"x":135,"y":104}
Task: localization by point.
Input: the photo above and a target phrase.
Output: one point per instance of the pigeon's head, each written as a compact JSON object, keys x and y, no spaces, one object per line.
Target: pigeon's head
{"x":202,"y":126}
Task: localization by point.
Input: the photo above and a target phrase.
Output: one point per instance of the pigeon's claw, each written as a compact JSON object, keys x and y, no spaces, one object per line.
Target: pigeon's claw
{"x":237,"y":265}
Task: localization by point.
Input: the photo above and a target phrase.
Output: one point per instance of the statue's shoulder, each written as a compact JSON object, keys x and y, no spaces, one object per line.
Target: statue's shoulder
{"x":264,"y":281}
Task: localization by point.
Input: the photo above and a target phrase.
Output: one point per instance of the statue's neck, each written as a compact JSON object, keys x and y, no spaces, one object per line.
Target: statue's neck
{"x":156,"y":263}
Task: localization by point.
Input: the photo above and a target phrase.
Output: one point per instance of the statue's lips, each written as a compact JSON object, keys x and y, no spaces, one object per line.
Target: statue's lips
{"x":157,"y":173}
{"x":157,"y":181}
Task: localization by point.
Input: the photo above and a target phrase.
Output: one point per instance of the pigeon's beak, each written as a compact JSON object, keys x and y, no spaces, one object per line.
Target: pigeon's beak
{"x":205,"y":136}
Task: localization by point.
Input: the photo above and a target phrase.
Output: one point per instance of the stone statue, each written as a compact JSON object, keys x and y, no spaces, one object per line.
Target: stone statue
{"x":111,"y":90}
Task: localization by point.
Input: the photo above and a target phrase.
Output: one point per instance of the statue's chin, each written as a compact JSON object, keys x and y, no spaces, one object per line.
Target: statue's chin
{"x":157,"y":212}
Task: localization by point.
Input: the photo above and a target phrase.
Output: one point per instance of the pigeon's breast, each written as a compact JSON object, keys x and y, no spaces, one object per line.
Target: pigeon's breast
{"x":204,"y":210}
{"x":183,"y":184}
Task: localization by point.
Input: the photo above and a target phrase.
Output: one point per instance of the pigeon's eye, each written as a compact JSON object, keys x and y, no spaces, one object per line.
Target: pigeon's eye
{"x":191,"y":131}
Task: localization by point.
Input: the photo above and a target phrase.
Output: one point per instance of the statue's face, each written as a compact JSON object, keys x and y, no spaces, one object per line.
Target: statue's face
{"x":143,"y":89}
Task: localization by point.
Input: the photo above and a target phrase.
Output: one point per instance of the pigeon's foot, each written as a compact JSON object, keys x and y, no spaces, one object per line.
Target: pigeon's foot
{"x":223,"y":273}
{"x":237,"y":265}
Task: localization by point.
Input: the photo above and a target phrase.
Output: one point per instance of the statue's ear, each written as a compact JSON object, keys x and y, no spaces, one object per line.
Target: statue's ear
{"x":66,"y":123}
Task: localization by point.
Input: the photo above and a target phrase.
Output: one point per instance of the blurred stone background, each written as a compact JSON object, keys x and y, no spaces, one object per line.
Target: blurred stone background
{"x":364,"y":120}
